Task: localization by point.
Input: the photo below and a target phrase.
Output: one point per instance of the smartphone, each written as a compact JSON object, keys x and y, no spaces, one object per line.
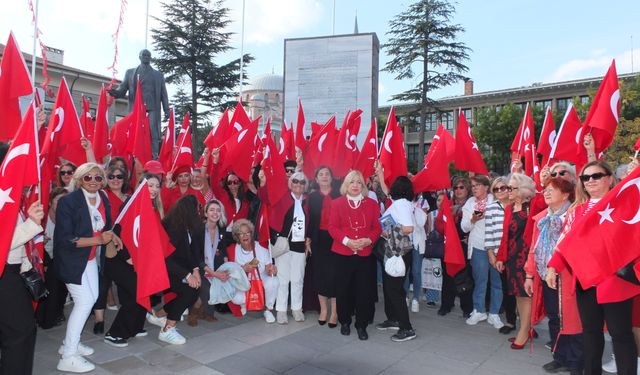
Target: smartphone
{"x":478,"y":213}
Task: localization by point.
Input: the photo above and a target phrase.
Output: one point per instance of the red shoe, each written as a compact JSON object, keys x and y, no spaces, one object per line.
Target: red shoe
{"x":517,"y":347}
{"x":512,"y":339}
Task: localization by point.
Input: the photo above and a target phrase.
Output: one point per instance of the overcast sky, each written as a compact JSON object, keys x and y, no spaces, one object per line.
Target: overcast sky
{"x":515,"y":43}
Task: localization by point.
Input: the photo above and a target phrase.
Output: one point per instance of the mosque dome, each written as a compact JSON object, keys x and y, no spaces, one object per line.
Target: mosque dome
{"x":266,"y":82}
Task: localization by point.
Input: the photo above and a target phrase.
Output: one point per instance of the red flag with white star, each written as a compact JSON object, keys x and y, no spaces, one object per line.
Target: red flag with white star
{"x":392,"y":153}
{"x":547,"y":137}
{"x":604,"y":114}
{"x":435,"y":174}
{"x":569,"y":139}
{"x":369,"y":151}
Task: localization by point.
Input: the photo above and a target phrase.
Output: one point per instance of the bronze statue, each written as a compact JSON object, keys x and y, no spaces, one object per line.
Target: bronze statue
{"x":154,"y":95}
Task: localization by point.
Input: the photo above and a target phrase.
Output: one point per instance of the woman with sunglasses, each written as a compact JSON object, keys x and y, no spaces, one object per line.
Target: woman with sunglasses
{"x":493,"y":235}
{"x":83,"y":220}
{"x":181,"y":177}
{"x":289,"y":218}
{"x":461,"y":192}
{"x":232,"y":192}
{"x":65,"y":175}
{"x":611,"y":300}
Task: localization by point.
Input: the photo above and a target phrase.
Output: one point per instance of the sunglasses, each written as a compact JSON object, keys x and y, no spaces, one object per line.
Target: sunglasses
{"x":458,"y":187}
{"x":595,"y":176}
{"x":233,"y":182}
{"x":290,"y":170}
{"x":66,"y":173}
{"x":561,"y":173}
{"x":502,"y":188}
{"x":296,"y":181}
{"x":115,"y":176}
{"x":89,"y":178}
{"x":512,"y":188}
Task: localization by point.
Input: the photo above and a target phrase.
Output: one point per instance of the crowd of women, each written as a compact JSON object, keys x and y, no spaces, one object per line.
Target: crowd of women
{"x":329,"y":240}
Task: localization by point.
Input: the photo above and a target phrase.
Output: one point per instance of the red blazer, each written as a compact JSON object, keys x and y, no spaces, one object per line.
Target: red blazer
{"x":361,"y":222}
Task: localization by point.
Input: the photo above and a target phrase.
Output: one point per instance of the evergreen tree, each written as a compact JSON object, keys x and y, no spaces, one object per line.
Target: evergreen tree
{"x":190,"y":37}
{"x":423,"y":42}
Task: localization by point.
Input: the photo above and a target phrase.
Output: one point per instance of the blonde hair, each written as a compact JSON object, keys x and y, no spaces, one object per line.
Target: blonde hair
{"x":349,"y":178}
{"x":84,"y":170}
{"x":526,"y":186}
{"x":498,"y":180}
{"x":582,"y":195}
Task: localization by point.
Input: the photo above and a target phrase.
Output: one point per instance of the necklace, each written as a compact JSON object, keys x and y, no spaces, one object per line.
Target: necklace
{"x":245,"y":252}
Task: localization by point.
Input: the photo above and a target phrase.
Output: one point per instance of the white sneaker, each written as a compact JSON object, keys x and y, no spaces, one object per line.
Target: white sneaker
{"x":494,"y":320}
{"x":268,"y":316}
{"x":476,"y":317}
{"x":298,"y":315}
{"x":611,"y":365}
{"x":415,"y":306}
{"x":75,"y":364}
{"x":243,"y":309}
{"x":171,"y":336}
{"x":282,"y":317}
{"x":83,"y":350}
{"x":157,"y":321}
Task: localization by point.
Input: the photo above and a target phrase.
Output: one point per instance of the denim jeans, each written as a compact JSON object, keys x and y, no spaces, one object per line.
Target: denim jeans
{"x":483,"y":272}
{"x":416,"y":275}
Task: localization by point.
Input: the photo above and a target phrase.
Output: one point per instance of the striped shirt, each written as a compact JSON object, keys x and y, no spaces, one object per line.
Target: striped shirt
{"x":493,"y":226}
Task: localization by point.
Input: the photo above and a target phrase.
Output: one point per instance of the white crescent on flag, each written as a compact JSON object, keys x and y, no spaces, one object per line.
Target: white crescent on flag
{"x":136,"y":231}
{"x":615,"y":98}
{"x":60,"y":115}
{"x":321,"y":141}
{"x":552,"y":137}
{"x":241,"y":135}
{"x":185,"y":150}
{"x":347,"y":140}
{"x":578,"y":136}
{"x":23,"y":149}
{"x":281,"y":148}
{"x":386,"y":141}
{"x":636,"y":183}
{"x":237,"y":126}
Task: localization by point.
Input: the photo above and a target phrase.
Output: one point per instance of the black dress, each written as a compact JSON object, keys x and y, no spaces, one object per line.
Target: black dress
{"x":517,"y":251}
{"x":322,"y":257}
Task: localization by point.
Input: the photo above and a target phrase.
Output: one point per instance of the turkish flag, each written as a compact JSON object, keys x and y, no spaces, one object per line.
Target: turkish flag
{"x":220,"y":133}
{"x":435,"y":174}
{"x":531,"y":161}
{"x":139,"y":143}
{"x":315,"y":126}
{"x":273,"y":167}
{"x":239,"y":149}
{"x":287,"y":149}
{"x":369,"y":152}
{"x":321,"y":148}
{"x":301,"y":141}
{"x":14,"y":83}
{"x":547,"y":137}
{"x":147,"y":242}
{"x":64,"y":130}
{"x":525,"y":133}
{"x":468,"y":157}
{"x":119,"y":136}
{"x":184,"y":154}
{"x":453,"y":254}
{"x":100,"y":140}
{"x":604,"y":114}
{"x":602,"y":240}
{"x":18,"y":170}
{"x":239,"y":120}
{"x":392,"y":153}
{"x":345,"y":154}
{"x":85,"y":119}
{"x":636,"y":146}
{"x":569,"y":139}
{"x":165,"y":157}
{"x":264,"y":234}
{"x":449,"y":143}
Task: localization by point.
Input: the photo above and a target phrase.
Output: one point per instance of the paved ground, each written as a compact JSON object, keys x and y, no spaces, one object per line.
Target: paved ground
{"x":445,"y":345}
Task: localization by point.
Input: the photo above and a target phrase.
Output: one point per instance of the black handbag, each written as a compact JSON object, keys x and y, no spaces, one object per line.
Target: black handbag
{"x":35,"y":284}
{"x":627,"y":273}
{"x":463,"y":281}
{"x":378,"y":249}
{"x":435,"y":245}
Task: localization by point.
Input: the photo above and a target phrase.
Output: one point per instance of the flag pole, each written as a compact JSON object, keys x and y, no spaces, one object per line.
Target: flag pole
{"x":242,"y":50}
{"x":35,"y":38}
{"x":146,"y":26}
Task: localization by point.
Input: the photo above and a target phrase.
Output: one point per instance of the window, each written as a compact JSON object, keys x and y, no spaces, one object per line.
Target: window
{"x":585,"y":99}
{"x":468,"y":112}
{"x":432,"y":122}
{"x":412,"y":152}
{"x":411,"y":122}
{"x":543,"y":104}
{"x":563,"y":104}
{"x":447,"y":119}
{"x":522,"y":106}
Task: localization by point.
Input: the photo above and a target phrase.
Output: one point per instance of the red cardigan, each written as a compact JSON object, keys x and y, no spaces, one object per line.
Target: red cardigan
{"x":361,"y":222}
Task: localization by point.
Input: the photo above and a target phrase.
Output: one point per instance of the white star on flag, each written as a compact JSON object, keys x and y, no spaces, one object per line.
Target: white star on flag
{"x":605,"y":215}
{"x":5,"y":197}
{"x":474,"y":146}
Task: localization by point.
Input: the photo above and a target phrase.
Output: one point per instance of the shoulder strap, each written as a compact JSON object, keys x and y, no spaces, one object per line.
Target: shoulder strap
{"x":256,"y":257}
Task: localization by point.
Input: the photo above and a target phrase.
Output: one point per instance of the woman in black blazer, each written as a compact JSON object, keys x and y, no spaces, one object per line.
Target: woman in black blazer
{"x":83,"y":223}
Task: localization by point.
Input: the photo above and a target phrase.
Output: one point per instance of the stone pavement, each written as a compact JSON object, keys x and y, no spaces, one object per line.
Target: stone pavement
{"x":445,"y":345}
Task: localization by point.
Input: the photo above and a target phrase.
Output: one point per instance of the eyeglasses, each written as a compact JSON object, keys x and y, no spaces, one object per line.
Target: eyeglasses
{"x":233,"y":182}
{"x":296,"y":181}
{"x":461,"y":187}
{"x":66,"y":173}
{"x":595,"y":176}
{"x":561,"y":173}
{"x":115,"y":176}
{"x":290,"y":170}
{"x":502,"y":188}
{"x":89,"y":178}
{"x":512,"y":188}
{"x":241,"y":234}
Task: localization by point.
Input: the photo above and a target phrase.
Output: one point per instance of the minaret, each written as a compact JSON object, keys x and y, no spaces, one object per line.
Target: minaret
{"x":355,"y":27}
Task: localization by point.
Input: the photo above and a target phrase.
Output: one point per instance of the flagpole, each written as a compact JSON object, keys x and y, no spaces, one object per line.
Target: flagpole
{"x":133,"y":196}
{"x":35,"y":38}
{"x":146,"y":26}
{"x":242,"y":50}
{"x":333,"y":28}
{"x":385,"y":131}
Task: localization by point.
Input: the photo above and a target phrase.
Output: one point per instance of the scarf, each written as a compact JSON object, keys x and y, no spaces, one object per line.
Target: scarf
{"x":550,"y":228}
{"x":298,"y":225}
{"x":97,"y":223}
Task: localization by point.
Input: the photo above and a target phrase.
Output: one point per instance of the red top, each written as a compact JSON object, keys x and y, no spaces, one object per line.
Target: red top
{"x":325,"y":214}
{"x":116,"y":203}
{"x":171,"y":196}
{"x":354,"y":223}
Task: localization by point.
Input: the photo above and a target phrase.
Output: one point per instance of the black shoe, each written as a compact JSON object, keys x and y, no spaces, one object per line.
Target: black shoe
{"x":466,"y":315}
{"x":404,"y":335}
{"x":553,"y":367}
{"x":141,"y":333}
{"x":549,"y":345}
{"x":505,"y":330}
{"x":345,"y":329}
{"x":332,"y":325}
{"x":575,"y":371}
{"x":443,"y":312}
{"x":98,"y":328}
{"x":362,"y":334}
{"x":388,"y":324}
{"x":322,"y":322}
{"x":118,"y":342}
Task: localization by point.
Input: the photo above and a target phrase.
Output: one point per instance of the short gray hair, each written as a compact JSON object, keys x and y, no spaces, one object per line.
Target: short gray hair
{"x":235,"y":228}
{"x":84,"y":170}
{"x":526,"y":186}
{"x":297,"y":176}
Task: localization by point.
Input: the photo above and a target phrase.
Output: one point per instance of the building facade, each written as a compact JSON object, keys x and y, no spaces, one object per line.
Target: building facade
{"x":263,"y":97}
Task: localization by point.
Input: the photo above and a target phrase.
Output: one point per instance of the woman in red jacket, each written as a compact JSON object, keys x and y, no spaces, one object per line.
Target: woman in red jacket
{"x":354,"y":227}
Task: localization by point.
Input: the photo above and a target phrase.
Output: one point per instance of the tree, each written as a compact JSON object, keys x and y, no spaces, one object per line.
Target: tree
{"x":423,"y":38}
{"x":628,"y":130}
{"x":190,"y":36}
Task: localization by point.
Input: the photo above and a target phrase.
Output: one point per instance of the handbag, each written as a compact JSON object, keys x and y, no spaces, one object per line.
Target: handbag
{"x":281,"y":246}
{"x":435,"y":246}
{"x":35,"y":284}
{"x":463,"y":281}
{"x":255,"y":295}
{"x":378,"y":249}
{"x":627,"y":273}
{"x":395,"y":267}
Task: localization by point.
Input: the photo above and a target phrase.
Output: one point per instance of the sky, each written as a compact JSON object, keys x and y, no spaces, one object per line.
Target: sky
{"x":514,"y":43}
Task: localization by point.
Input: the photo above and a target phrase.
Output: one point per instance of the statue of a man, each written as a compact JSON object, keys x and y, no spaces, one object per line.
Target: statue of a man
{"x":154,"y":94}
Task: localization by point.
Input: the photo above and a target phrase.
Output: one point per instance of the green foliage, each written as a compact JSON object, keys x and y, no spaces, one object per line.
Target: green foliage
{"x":424,"y":44}
{"x":190,"y":37}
